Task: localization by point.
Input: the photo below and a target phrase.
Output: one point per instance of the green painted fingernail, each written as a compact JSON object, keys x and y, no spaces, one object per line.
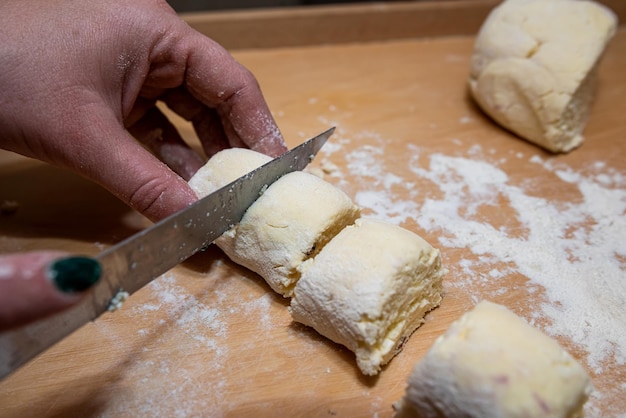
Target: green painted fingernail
{"x":75,"y":274}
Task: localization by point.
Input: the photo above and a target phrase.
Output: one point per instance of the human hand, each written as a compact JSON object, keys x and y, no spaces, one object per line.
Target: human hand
{"x":77,"y":78}
{"x":38,"y":284}
{"x":78,"y":86}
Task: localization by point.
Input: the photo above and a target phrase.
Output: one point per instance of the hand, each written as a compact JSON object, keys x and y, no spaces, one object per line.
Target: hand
{"x":79,"y":83}
{"x":77,"y":77}
{"x":37,"y":284}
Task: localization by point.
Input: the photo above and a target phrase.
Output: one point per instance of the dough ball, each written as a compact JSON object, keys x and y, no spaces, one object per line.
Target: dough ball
{"x":534,"y":67}
{"x":290,"y":222}
{"x":491,"y":363}
{"x":369,"y":289}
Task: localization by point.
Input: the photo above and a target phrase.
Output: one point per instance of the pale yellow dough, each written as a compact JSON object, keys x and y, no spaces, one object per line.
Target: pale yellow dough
{"x":289,"y":223}
{"x":369,"y":289}
{"x":362,"y":283}
{"x":534,"y":67}
{"x":491,"y":363}
{"x":225,"y":167}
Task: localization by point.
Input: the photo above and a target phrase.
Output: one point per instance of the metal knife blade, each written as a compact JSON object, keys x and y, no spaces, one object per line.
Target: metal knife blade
{"x":134,"y":262}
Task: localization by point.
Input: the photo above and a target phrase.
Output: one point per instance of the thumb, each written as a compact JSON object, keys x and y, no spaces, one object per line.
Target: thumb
{"x":34,"y":285}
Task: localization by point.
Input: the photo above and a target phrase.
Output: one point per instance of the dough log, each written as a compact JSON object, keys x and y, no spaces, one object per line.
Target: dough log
{"x":362,"y":283}
{"x":534,"y":67}
{"x":491,"y":363}
{"x":369,"y":289}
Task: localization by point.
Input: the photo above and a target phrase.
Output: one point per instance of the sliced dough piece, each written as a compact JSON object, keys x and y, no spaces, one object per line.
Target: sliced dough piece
{"x":534,"y":67}
{"x":289,"y":223}
{"x":225,"y":167}
{"x":369,"y":289}
{"x":491,"y":363}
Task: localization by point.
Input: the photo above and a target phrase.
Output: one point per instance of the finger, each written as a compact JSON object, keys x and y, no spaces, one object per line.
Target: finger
{"x":217,"y":80}
{"x":101,"y":149}
{"x":206,"y":122}
{"x":139,"y":109}
{"x":154,"y":129}
{"x":208,"y":126}
{"x":156,"y":132}
{"x":38,"y":284}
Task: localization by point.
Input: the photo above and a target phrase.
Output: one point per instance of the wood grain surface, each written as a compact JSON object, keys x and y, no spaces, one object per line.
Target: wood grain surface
{"x":353,"y":22}
{"x":209,"y":338}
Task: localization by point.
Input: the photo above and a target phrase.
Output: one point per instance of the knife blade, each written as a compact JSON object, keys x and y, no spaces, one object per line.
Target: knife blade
{"x":136,"y":261}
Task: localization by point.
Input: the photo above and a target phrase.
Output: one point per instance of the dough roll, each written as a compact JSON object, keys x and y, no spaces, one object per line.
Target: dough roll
{"x":362,"y":283}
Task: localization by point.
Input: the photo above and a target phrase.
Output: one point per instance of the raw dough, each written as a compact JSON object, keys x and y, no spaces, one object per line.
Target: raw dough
{"x":118,"y":300}
{"x":362,"y":283}
{"x":225,"y":167}
{"x":290,"y":222}
{"x":534,"y":67}
{"x":491,"y":363}
{"x":369,"y":289}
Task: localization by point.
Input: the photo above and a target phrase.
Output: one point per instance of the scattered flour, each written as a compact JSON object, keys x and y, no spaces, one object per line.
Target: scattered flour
{"x":570,"y":249}
{"x":572,"y":252}
{"x":191,"y":325}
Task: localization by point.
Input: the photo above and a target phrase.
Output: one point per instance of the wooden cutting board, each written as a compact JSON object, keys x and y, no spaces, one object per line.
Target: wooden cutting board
{"x":209,"y":338}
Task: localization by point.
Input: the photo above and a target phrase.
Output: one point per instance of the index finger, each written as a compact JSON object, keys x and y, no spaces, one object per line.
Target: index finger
{"x":217,"y":80}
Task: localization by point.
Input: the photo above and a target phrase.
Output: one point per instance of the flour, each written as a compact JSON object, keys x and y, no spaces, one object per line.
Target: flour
{"x":197,"y":371}
{"x":575,"y":263}
{"x":572,"y":252}
{"x":384,"y":206}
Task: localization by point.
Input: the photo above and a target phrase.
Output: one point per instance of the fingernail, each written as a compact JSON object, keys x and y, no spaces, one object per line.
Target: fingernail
{"x":75,"y":274}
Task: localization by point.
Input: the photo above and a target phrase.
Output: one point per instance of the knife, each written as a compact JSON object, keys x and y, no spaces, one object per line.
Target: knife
{"x":136,"y":261}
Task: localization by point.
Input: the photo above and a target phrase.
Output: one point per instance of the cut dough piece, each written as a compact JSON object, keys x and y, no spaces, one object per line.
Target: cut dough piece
{"x":289,"y":223}
{"x":225,"y":167}
{"x":369,"y":289}
{"x":534,"y":67}
{"x":491,"y":363}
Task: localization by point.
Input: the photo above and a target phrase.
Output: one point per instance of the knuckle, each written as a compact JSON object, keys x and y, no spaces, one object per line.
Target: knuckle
{"x":148,"y":196}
